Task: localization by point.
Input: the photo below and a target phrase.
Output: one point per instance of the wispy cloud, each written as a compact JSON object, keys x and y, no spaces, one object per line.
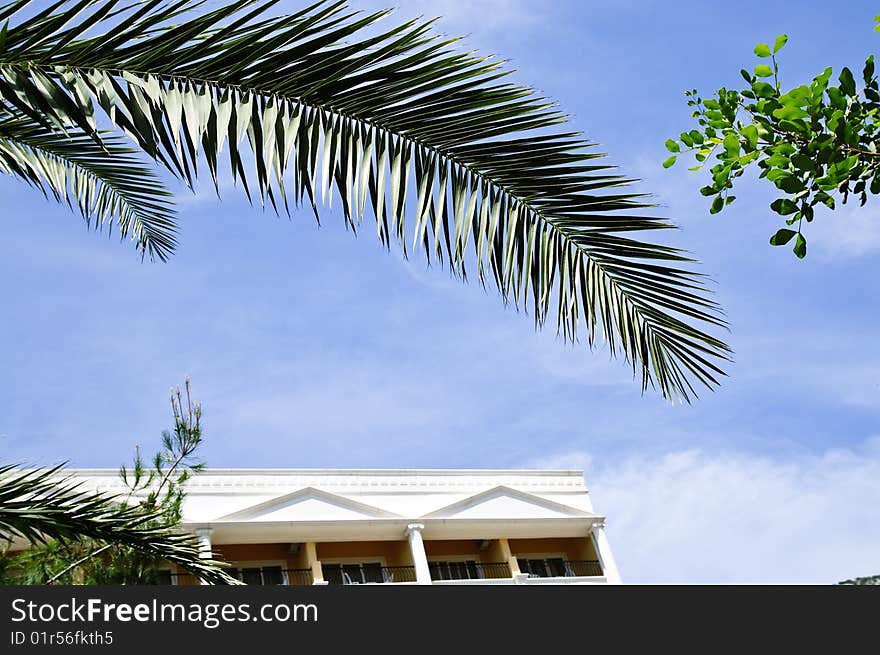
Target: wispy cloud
{"x":849,"y":233}
{"x":693,"y":516}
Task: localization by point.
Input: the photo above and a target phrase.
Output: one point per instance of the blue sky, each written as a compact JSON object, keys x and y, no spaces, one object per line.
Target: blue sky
{"x":311,"y":348}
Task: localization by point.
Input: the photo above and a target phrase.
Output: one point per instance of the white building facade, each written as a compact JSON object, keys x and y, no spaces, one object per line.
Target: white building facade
{"x":455,"y":527}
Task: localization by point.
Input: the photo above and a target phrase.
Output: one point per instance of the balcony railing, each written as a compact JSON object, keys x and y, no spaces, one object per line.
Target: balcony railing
{"x":468,"y":570}
{"x":299,"y":577}
{"x":584,"y":568}
{"x":290,"y":577}
{"x":399,"y":573}
{"x":492,"y":570}
{"x":367,"y":573}
{"x":373,"y":573}
{"x":556,"y":567}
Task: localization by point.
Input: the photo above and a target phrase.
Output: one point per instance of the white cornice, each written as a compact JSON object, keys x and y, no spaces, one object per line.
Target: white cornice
{"x":223,"y":498}
{"x":362,"y":481}
{"x":360,"y":472}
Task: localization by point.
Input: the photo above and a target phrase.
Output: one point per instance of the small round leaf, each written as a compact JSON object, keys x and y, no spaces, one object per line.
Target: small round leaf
{"x":800,"y":247}
{"x":782,"y":237}
{"x":781,"y":40}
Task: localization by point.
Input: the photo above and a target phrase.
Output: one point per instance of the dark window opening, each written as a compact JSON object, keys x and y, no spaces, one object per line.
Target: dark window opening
{"x":259,"y":575}
{"x":359,"y":573}
{"x":552,"y":567}
{"x":468,"y":570}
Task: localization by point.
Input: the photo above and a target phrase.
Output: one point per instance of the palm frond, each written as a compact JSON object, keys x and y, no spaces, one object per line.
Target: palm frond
{"x":103,"y":179}
{"x":448,"y":155}
{"x":41,"y":504}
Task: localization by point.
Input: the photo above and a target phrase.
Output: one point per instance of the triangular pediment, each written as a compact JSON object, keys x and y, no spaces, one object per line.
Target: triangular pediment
{"x":308,"y":504}
{"x":506,"y":503}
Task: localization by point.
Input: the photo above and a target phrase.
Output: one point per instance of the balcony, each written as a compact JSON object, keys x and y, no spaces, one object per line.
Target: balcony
{"x":259,"y":576}
{"x":537,"y":561}
{"x":299,"y":577}
{"x":468,"y":570}
{"x":367,"y":573}
{"x":557,"y":567}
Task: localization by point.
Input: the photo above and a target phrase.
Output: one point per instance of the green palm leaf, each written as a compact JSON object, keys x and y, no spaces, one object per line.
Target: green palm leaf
{"x":101,"y":178}
{"x":448,"y":156}
{"x":38,"y":504}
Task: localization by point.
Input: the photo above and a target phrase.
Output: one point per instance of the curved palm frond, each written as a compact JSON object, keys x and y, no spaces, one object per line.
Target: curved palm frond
{"x":37,"y":505}
{"x":102,"y":178}
{"x":446,"y":153}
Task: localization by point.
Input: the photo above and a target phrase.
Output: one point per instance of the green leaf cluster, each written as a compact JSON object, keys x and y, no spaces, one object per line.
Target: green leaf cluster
{"x":63,"y":521}
{"x":80,"y":537}
{"x":816,"y":143}
{"x":871,"y":580}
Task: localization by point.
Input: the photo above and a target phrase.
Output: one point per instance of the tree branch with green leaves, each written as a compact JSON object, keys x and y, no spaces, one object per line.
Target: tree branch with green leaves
{"x":157,"y":489}
{"x":817,"y":143}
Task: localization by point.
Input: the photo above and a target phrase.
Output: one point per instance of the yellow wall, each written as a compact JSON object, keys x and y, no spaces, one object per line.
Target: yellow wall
{"x":301,"y":559}
{"x":394,"y":553}
{"x":577,"y":548}
{"x":397,"y":553}
{"x":496,"y":552}
{"x":456,"y":548}
{"x":244,"y":553}
{"x":500,"y":551}
{"x":258,"y":553}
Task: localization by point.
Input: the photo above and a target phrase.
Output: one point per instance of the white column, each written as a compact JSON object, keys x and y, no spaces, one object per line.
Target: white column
{"x":417,"y":548}
{"x":606,"y":557}
{"x":205,"y":552}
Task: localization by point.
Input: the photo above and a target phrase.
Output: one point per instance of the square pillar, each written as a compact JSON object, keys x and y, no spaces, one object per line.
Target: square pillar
{"x":313,"y":563}
{"x":500,"y":552}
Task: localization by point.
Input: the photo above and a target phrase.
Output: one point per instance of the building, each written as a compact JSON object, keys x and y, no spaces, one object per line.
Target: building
{"x":302,"y":527}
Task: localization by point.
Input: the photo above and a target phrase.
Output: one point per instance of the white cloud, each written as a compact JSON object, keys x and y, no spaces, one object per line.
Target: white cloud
{"x":848,"y":233}
{"x":696,"y":517}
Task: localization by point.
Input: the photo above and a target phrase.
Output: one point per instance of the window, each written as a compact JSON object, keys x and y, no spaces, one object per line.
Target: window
{"x":357,"y":573}
{"x":551,"y":567}
{"x":467,"y":570}
{"x":164,"y":577}
{"x":259,"y":575}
